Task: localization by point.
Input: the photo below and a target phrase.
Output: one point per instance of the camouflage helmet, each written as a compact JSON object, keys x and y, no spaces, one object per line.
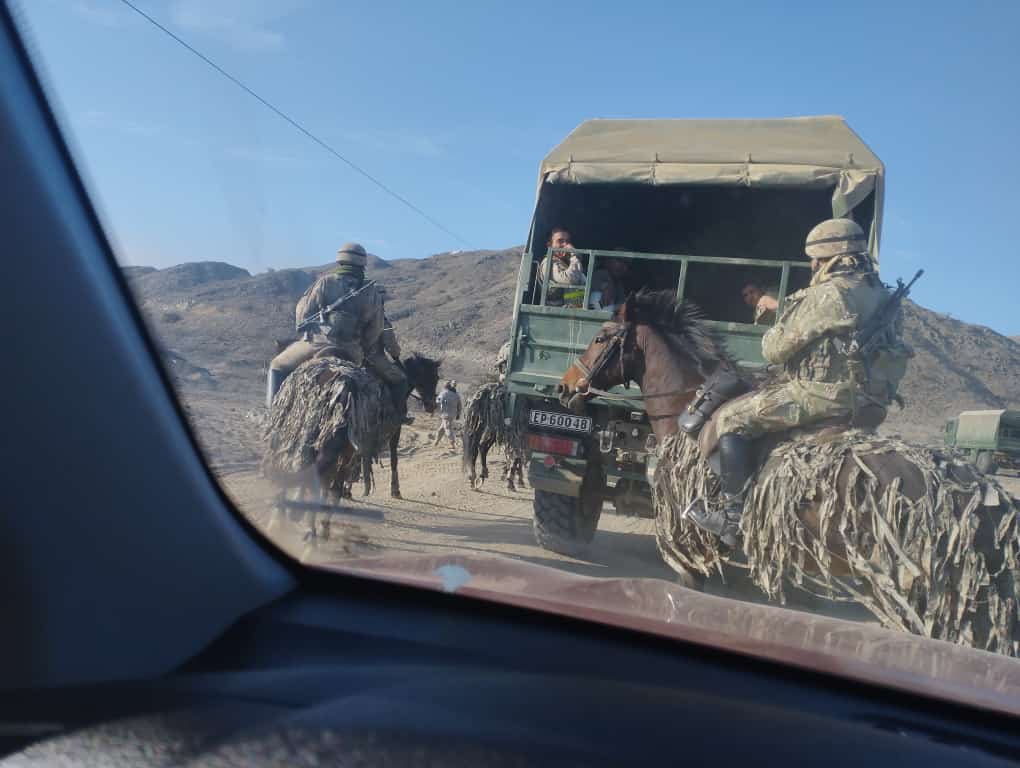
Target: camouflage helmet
{"x":835,"y":237}
{"x":351,"y":253}
{"x":504,"y":354}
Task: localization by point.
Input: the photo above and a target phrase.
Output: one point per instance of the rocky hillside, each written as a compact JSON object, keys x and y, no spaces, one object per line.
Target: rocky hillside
{"x":218,"y":325}
{"x":958,"y":366}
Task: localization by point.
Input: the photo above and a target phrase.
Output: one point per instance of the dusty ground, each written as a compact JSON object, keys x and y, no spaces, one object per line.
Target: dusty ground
{"x":440,"y":513}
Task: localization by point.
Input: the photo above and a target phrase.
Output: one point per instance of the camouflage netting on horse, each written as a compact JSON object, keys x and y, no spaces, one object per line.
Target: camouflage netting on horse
{"x":485,"y":422}
{"x":320,"y":404}
{"x":928,"y":545}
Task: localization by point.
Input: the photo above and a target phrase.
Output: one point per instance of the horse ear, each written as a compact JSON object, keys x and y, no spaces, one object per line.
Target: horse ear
{"x":625,"y":313}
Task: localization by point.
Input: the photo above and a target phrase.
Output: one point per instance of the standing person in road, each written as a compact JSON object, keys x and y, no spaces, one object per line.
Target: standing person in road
{"x":449,"y":411}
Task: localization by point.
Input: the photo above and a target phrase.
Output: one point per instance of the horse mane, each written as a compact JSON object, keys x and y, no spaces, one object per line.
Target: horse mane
{"x":682,"y":325}
{"x":417,"y":361}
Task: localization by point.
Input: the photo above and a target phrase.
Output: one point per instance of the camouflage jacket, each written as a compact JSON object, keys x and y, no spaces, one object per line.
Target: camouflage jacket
{"x":502,"y":358}
{"x":803,"y":341}
{"x":389,"y":340}
{"x":356,"y":328}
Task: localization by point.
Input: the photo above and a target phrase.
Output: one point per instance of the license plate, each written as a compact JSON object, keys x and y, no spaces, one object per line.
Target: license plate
{"x":560,"y":421}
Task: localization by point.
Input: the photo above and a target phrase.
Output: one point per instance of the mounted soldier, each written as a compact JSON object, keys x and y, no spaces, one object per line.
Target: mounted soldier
{"x":343,"y":314}
{"x":823,"y":381}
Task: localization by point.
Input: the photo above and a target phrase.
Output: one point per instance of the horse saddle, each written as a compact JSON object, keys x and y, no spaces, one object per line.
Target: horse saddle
{"x":868,"y":417}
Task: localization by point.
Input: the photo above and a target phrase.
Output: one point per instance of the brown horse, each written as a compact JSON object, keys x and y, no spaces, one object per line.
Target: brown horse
{"x":914,"y":541}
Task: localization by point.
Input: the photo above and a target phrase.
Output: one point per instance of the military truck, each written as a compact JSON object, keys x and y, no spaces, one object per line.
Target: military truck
{"x":700,"y":207}
{"x":991,"y":438}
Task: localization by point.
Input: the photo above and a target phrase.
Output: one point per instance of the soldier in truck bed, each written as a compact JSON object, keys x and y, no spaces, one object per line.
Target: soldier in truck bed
{"x":566,"y":284}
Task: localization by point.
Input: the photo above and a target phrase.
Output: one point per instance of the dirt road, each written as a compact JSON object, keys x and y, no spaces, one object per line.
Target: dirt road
{"x":440,"y":513}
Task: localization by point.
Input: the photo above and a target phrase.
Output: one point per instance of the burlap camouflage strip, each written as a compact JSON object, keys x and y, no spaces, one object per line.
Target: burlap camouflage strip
{"x":314,"y":407}
{"x":944,"y":565}
{"x":485,"y":420}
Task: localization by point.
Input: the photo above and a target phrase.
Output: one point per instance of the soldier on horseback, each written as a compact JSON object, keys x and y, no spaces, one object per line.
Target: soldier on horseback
{"x":822,"y":383}
{"x":356,"y":329}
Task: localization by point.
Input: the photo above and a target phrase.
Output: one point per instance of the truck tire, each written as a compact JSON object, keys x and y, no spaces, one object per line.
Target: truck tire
{"x":566,"y":524}
{"x":985,"y":463}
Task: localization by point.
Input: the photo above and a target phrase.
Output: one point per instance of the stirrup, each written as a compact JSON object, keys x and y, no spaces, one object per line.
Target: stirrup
{"x":719,"y":525}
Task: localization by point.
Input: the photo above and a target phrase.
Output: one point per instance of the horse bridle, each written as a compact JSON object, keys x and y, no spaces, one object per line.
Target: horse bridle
{"x":614,"y":342}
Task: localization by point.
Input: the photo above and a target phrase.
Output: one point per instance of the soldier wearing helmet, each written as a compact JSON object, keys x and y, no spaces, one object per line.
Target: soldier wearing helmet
{"x":821,"y":384}
{"x":355,"y":330}
{"x":502,"y":360}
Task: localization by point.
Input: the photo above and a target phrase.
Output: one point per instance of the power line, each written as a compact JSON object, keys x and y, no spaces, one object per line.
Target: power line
{"x":295,"y":124}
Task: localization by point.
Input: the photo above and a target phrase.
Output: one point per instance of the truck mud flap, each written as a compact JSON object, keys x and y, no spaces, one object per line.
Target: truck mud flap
{"x":556,"y":474}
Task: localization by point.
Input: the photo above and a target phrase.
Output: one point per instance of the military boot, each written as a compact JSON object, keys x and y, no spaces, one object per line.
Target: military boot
{"x":273,"y":384}
{"x":735,"y":458}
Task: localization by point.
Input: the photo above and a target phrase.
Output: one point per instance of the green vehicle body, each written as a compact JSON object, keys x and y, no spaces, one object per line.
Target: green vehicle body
{"x":991,"y":439}
{"x":751,"y":186}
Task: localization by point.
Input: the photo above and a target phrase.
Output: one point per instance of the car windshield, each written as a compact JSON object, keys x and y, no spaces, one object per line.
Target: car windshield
{"x":677,"y":366}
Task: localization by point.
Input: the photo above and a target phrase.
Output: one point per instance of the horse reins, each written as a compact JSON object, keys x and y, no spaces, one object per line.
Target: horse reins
{"x":616,"y":341}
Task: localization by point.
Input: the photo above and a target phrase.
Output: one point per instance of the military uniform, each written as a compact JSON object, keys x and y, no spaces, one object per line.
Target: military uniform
{"x":502,"y":361}
{"x":356,"y":329}
{"x":384,"y":362}
{"x":820,"y":382}
{"x":449,"y":411}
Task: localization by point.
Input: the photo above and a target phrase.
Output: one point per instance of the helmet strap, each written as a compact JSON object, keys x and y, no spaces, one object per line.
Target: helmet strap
{"x":351,"y":269}
{"x":840,"y":263}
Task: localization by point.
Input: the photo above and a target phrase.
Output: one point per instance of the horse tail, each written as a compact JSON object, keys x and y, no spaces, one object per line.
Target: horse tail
{"x":474,"y":427}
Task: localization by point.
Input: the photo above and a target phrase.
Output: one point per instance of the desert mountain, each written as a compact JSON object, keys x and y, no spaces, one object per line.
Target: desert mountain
{"x":218,"y":324}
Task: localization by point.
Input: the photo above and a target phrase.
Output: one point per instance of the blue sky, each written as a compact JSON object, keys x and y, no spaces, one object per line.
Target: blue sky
{"x":453,"y":104}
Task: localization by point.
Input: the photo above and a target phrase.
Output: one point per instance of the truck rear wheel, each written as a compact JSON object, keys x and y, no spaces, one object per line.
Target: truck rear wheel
{"x":566,"y":524}
{"x":985,"y":463}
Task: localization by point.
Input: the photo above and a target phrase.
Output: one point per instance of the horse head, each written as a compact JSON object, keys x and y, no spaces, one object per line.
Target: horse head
{"x":423,"y":375}
{"x":650,"y":329}
{"x":612,"y":358}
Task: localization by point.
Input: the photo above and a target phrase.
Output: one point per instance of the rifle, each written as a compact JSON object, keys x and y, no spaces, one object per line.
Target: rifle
{"x":320,"y":317}
{"x":863,"y":340}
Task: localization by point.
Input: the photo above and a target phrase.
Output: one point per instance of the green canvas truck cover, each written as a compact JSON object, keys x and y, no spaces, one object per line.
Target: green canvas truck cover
{"x":796,"y":151}
{"x":983,"y":429}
